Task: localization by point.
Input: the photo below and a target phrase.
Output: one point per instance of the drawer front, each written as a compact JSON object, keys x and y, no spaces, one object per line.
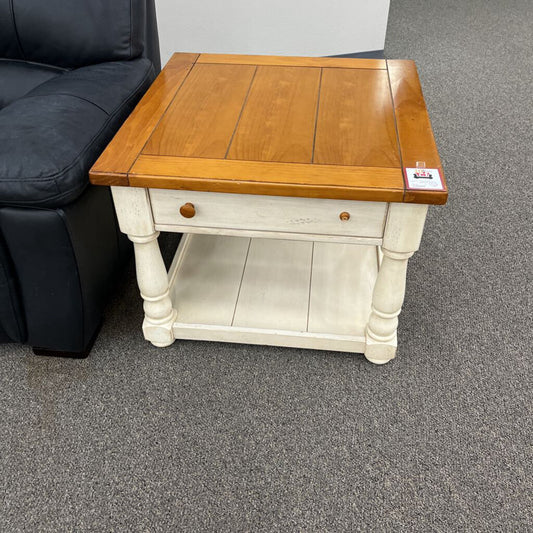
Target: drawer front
{"x":268,"y":213}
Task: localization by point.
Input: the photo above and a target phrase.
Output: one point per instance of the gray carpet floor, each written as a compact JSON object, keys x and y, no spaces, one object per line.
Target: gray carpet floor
{"x":219,"y":437}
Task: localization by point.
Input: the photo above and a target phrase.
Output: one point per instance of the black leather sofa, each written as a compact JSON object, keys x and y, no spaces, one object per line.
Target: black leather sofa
{"x":70,"y":73}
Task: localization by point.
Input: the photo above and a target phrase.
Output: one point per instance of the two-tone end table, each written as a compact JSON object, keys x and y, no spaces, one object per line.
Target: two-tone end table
{"x":301,"y":185}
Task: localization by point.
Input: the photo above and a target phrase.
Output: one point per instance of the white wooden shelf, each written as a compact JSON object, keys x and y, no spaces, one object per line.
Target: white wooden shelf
{"x":278,"y":292}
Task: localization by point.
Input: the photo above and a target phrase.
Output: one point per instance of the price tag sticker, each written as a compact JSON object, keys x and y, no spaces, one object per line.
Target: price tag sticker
{"x":424,"y":178}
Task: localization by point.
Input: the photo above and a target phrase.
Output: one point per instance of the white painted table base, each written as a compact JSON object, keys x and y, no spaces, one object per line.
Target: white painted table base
{"x":286,"y":289}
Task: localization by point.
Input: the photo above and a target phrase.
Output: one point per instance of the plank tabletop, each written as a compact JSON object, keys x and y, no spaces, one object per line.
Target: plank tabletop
{"x":276,"y":125}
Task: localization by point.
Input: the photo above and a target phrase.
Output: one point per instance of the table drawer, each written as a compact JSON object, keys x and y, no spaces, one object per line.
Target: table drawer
{"x":267,"y":213}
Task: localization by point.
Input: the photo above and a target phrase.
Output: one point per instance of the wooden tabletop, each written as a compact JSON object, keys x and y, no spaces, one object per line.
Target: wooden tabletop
{"x":288,"y":126}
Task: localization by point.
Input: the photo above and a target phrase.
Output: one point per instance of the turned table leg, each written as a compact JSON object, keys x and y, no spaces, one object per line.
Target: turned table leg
{"x":135,"y":219}
{"x":159,"y":315}
{"x":403,"y":232}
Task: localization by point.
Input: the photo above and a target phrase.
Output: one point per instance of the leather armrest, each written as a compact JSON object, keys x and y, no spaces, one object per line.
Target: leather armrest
{"x":51,"y":137}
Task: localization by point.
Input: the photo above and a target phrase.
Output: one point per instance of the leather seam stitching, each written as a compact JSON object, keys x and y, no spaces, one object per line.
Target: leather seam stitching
{"x":72,"y":96}
{"x":19,"y":44}
{"x":37,"y":203}
{"x":44,"y":66}
{"x":12,"y":303}
{"x":62,"y":215}
{"x":131,"y":29}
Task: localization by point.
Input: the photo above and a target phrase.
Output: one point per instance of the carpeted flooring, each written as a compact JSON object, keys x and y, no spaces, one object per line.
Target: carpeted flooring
{"x":220,"y":437}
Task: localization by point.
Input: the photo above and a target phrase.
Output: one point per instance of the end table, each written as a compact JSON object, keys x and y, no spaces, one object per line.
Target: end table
{"x":301,"y":185}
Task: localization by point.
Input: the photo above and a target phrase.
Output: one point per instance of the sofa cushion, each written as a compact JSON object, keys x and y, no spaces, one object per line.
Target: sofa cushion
{"x":51,"y":137}
{"x":72,"y":33}
{"x":19,"y":78}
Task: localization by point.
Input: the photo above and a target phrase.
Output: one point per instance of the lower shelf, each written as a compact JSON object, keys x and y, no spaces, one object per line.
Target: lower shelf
{"x":278,"y":292}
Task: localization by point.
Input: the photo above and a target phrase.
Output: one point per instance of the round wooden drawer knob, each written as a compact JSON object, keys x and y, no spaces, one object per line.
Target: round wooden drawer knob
{"x":187,"y":210}
{"x":344,"y":215}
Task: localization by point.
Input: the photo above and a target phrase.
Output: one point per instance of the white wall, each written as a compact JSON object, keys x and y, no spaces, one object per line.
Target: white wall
{"x":275,"y":27}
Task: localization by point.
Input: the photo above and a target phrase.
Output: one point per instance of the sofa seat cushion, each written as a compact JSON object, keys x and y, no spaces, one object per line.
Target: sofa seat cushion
{"x":51,"y":137}
{"x":18,"y":78}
